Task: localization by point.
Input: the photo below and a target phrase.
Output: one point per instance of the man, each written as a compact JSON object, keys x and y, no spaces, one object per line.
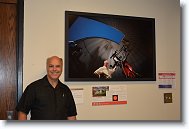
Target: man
{"x":104,"y":71}
{"x":48,"y":98}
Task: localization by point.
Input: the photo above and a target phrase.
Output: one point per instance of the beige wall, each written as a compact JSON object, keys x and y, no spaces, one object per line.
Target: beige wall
{"x":44,"y":36}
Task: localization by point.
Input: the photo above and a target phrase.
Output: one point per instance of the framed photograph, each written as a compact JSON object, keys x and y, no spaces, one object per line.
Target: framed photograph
{"x":106,"y":47}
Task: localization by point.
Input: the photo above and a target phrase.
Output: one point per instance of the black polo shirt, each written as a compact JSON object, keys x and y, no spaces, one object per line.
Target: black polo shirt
{"x":46,"y":102}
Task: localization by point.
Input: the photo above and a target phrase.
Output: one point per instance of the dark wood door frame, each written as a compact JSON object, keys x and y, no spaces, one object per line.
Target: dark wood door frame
{"x":20,"y":34}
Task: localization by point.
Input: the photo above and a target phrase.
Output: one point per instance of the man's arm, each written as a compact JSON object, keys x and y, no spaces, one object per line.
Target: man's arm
{"x":71,"y":118}
{"x":98,"y":71}
{"x":22,"y":116}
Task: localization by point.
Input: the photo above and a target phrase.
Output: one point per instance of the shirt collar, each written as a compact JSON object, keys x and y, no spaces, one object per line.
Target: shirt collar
{"x":46,"y":82}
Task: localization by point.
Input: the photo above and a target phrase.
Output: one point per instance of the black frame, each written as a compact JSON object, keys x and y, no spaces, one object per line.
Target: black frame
{"x":140,"y":36}
{"x":20,"y":34}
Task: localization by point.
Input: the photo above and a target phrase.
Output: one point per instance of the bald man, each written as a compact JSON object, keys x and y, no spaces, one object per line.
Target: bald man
{"x":48,"y":98}
{"x":105,"y":71}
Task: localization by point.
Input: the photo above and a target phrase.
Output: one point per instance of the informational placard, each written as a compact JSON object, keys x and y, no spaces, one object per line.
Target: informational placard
{"x":77,"y":95}
{"x":106,"y":95}
{"x":167,"y":79}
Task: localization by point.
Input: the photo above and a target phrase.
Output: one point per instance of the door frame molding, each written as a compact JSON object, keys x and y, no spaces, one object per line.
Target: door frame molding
{"x":19,"y":47}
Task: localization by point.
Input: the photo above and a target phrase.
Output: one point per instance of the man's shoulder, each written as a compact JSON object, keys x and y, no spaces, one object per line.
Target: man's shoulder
{"x":36,"y":83}
{"x":64,"y":86}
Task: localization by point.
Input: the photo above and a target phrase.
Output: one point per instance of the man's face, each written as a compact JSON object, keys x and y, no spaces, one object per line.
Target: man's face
{"x":54,"y":68}
{"x":106,"y":63}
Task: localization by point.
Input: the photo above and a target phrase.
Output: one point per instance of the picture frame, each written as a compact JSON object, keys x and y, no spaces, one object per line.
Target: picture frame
{"x":125,"y":43}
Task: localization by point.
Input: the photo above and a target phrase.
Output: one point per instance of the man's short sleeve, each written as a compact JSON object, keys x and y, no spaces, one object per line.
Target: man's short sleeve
{"x":25,"y":102}
{"x":71,"y":105}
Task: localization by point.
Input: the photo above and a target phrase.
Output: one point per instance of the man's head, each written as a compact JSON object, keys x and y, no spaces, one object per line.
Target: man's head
{"x":106,"y":63}
{"x":54,"y":66}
